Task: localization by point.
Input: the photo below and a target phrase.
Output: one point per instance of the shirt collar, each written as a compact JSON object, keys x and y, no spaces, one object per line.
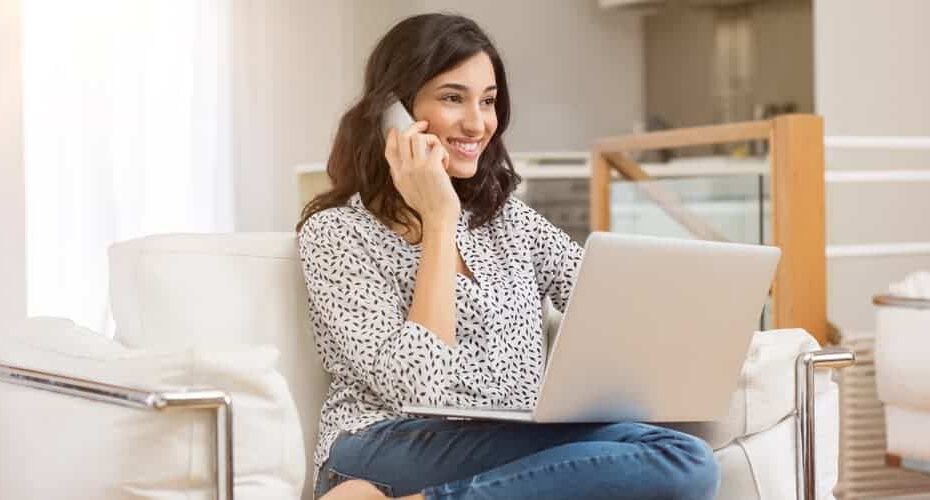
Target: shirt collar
{"x":355,"y":201}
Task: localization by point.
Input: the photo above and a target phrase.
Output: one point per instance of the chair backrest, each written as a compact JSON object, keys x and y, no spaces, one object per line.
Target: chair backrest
{"x":218,"y":291}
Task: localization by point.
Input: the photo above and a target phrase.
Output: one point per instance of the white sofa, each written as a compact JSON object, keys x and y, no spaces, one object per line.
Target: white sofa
{"x":232,"y":291}
{"x":902,"y":377}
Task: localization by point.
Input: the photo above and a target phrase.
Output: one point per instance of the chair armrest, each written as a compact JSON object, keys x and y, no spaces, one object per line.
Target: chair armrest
{"x":217,"y":401}
{"x":806,"y":363}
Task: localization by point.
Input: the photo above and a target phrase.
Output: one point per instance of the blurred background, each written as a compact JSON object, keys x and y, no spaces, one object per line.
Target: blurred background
{"x":121,"y":118}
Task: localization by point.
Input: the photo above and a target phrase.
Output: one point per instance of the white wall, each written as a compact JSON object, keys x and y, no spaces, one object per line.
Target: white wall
{"x":289,"y":60}
{"x":575,"y":70}
{"x":872,"y":74}
{"x":872,"y":79}
{"x":12,"y":177}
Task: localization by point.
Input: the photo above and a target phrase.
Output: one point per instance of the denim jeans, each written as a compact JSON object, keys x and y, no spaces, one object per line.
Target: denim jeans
{"x":463,"y":459}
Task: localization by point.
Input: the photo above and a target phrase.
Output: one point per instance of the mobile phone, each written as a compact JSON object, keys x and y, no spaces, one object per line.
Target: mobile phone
{"x":395,"y":116}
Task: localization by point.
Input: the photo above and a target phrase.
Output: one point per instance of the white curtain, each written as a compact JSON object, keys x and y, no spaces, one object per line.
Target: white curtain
{"x":126,"y":116}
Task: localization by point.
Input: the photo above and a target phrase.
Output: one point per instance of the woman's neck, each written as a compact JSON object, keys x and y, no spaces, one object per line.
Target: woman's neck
{"x":411,"y":233}
{"x":408,"y":229}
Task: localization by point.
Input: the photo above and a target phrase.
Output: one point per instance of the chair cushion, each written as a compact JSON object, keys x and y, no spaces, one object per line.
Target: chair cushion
{"x":906,"y":434}
{"x":58,"y":446}
{"x":762,"y":466}
{"x":174,"y":291}
{"x":217,"y":291}
{"x":902,"y":347}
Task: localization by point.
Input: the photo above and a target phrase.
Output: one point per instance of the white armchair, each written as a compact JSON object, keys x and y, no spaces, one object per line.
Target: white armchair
{"x":902,"y":378}
{"x":239,"y":291}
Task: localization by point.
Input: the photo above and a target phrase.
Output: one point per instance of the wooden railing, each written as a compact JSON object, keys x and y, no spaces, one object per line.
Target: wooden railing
{"x":797,"y":183}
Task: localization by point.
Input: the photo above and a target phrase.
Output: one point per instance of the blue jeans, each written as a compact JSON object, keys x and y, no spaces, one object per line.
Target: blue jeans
{"x":462,"y":459}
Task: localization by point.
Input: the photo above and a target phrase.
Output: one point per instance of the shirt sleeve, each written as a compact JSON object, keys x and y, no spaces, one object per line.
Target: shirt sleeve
{"x":360,"y":320}
{"x":556,"y":257}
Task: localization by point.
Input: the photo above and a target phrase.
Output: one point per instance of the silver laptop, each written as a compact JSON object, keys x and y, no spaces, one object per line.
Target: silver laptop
{"x":655,"y":330}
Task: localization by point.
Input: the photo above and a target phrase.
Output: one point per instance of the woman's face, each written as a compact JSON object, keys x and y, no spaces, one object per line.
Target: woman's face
{"x":459,"y":106}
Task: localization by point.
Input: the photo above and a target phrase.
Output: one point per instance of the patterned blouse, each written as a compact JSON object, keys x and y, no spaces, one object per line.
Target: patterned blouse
{"x":361,"y":275}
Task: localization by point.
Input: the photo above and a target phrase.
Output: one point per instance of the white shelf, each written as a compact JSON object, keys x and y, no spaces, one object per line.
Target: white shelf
{"x":575,"y":165}
{"x":529,"y":167}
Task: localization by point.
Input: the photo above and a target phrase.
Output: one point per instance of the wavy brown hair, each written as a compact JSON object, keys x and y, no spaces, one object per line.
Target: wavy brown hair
{"x":412,"y":53}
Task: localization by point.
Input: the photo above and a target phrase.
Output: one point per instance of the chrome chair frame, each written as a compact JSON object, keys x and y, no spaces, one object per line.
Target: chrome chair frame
{"x":217,"y":401}
{"x":221,"y":404}
{"x":805,"y":364}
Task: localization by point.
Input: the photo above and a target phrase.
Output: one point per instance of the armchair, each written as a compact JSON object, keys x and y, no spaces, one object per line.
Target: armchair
{"x":217,"y":401}
{"x":236,"y":291}
{"x":902,"y":345}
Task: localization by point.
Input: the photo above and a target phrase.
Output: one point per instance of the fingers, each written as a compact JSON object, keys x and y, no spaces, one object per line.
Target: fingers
{"x":406,"y":143}
{"x":412,"y":147}
{"x":438,"y":154}
{"x":419,"y":126}
{"x":432,"y":140}
{"x":433,"y":143}
{"x":445,"y":159}
{"x":420,"y":147}
{"x":390,"y":148}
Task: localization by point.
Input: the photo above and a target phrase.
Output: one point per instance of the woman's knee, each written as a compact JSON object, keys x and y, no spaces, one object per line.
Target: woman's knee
{"x":698,"y":473}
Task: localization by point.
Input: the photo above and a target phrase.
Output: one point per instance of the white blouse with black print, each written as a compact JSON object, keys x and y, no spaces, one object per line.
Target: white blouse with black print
{"x":361,"y":275}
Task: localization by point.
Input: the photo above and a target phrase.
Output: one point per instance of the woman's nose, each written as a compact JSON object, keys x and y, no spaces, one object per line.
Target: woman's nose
{"x":473,"y":121}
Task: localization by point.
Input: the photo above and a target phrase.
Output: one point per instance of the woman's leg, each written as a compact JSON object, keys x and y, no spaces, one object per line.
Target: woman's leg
{"x":469,"y":459}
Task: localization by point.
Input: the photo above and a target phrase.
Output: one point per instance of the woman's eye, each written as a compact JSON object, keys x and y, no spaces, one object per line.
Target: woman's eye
{"x":488,"y":101}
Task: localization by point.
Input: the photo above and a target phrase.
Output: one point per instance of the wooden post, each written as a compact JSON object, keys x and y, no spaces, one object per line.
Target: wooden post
{"x":797,"y":177}
{"x":799,"y":294}
{"x":600,"y":192}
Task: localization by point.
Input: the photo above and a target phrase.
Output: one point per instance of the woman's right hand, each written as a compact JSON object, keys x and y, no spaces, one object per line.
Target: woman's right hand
{"x":418,"y":167}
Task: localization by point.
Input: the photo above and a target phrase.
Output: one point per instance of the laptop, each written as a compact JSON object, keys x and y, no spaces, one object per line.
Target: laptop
{"x":655,"y":330}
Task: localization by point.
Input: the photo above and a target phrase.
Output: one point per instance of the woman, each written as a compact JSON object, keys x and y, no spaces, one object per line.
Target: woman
{"x":426,"y":281}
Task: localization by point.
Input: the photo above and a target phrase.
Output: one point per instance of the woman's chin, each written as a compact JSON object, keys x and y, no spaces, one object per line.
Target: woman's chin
{"x":463,"y":170}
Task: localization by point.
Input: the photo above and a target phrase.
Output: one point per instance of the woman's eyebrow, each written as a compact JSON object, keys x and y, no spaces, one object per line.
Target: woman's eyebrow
{"x":463,"y":88}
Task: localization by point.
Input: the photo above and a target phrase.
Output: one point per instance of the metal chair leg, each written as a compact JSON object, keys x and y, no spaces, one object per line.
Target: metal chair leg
{"x":806,"y":363}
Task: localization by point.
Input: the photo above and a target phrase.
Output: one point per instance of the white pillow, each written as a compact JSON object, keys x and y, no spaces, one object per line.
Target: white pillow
{"x":56,"y":446}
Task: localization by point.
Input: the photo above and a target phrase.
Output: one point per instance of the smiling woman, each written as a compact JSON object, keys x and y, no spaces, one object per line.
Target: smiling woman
{"x":447,"y":71}
{"x":426,"y":280}
{"x":459,"y":107}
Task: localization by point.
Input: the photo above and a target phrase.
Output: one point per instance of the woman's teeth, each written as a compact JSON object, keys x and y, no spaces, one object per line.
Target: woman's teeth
{"x":465,"y":147}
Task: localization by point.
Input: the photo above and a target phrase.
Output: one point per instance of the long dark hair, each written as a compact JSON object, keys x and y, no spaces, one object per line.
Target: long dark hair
{"x":413,"y":52}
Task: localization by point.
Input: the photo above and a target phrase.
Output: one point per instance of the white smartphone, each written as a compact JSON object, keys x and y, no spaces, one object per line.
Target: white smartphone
{"x":395,"y":116}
